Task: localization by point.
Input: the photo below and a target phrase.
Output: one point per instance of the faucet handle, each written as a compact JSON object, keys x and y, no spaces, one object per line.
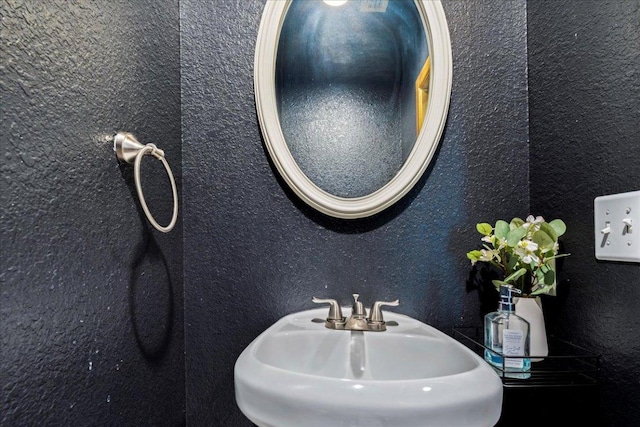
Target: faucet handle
{"x":335,"y":312}
{"x":375,"y":314}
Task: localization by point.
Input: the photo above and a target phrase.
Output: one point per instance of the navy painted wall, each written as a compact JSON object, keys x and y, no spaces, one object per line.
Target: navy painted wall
{"x":584,"y":97}
{"x":254,"y":252}
{"x":91,"y":301}
{"x":91,"y":298}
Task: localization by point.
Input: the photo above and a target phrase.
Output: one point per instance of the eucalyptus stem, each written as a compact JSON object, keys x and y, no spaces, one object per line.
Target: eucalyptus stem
{"x":522,"y":251}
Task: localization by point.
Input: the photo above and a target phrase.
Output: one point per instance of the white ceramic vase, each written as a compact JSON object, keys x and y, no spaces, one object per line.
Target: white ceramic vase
{"x":530,"y":308}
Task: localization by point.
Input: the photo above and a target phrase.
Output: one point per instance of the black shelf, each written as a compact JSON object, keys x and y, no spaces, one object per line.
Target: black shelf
{"x":566,"y":365}
{"x":565,"y":384}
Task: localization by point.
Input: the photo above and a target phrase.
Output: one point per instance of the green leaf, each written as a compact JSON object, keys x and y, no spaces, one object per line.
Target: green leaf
{"x":557,"y":256}
{"x":549,"y":278}
{"x":551,"y":263}
{"x":498,"y":283}
{"x":539,"y":277}
{"x":542,"y":290}
{"x":515,"y":223}
{"x":514,"y":236}
{"x":549,"y":230}
{"x":484,"y":228}
{"x":543,"y":240}
{"x":502,"y":229}
{"x":559,"y":226}
{"x":474,"y":255}
{"x":514,"y":276}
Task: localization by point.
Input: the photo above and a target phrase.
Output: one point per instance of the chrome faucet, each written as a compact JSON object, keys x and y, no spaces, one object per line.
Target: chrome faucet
{"x":358,"y":321}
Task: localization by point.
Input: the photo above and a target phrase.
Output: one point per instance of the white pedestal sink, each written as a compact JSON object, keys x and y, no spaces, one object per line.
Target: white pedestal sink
{"x":298,"y":373}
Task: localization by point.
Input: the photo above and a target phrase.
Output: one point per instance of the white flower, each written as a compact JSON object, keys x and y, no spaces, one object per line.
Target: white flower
{"x":533,"y":221}
{"x":526,"y":251}
{"x":486,"y":255}
{"x":502,"y":242}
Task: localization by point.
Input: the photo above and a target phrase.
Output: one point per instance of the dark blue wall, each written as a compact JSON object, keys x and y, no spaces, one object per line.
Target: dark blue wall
{"x":254,"y":252}
{"x":91,"y":301}
{"x":584,"y":97}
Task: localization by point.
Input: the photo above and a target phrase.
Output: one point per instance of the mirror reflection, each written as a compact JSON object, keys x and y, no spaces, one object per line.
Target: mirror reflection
{"x":351,"y":85}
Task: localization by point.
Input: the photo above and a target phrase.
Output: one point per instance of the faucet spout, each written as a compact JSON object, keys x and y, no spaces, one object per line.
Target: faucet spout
{"x":356,"y":323}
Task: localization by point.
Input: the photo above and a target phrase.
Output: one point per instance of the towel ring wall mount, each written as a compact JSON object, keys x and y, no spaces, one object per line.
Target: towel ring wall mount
{"x":129,"y":150}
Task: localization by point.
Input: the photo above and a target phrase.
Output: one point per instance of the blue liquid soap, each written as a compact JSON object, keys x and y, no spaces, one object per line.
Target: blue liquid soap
{"x":507,"y":334}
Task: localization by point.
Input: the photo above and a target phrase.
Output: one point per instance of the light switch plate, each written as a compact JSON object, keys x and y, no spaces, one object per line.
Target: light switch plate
{"x":617,"y":226}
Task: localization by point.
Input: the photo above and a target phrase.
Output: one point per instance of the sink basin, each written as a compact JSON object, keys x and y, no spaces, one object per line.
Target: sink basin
{"x":299,"y":373}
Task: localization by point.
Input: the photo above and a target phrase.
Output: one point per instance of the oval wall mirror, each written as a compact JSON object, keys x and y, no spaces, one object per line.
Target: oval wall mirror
{"x":352,"y":97}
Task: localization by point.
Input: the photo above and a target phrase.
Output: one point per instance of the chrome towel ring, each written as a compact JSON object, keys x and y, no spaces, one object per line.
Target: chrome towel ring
{"x":129,"y":150}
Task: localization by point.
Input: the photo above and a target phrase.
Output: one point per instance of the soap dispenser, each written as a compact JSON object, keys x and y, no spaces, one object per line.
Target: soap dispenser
{"x":507,"y":334}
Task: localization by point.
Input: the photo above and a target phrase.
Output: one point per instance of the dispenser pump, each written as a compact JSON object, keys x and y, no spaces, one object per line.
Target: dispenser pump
{"x":507,"y":337}
{"x":506,"y":298}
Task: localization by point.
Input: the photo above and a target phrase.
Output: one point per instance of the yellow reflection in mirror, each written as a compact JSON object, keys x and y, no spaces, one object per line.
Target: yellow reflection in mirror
{"x":422,"y":93}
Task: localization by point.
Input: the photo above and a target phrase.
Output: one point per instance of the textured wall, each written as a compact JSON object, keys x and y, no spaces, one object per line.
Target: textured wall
{"x":91,"y":306}
{"x":254,"y":252}
{"x":584,"y":92}
{"x":91,"y":299}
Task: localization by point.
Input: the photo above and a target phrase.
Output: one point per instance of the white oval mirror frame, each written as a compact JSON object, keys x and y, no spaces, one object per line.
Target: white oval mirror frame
{"x":436,"y":28}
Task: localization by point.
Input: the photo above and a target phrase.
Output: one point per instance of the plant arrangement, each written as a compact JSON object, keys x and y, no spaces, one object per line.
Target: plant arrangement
{"x":524,"y":251}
